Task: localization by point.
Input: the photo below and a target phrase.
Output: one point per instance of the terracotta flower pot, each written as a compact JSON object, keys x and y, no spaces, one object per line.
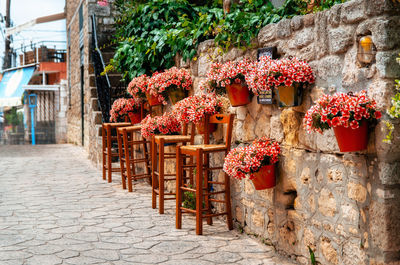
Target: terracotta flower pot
{"x":351,"y":140}
{"x":176,"y":94}
{"x":134,"y":117}
{"x":290,"y":96}
{"x":238,"y":94}
{"x":200,"y":127}
{"x":265,"y":178}
{"x":153,"y":101}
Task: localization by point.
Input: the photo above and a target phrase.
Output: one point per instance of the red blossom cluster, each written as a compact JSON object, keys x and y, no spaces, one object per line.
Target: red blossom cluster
{"x":165,"y":124}
{"x":122,"y":106}
{"x":221,"y":75}
{"x":138,"y":86}
{"x":194,"y":108}
{"x":267,"y":73}
{"x":341,"y":109}
{"x":245,"y":161}
{"x":173,"y":78}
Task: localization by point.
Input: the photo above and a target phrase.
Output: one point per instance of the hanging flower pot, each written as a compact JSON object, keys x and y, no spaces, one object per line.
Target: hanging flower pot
{"x":135,"y":117}
{"x":176,"y":94}
{"x":264,"y":178}
{"x":352,"y":140}
{"x":153,"y":101}
{"x":238,"y":94}
{"x":290,"y":96}
{"x":200,"y":127}
{"x":122,"y":107}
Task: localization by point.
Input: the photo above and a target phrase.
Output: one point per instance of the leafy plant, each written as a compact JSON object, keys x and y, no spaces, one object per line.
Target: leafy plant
{"x":189,"y":200}
{"x":13,"y":117}
{"x":312,"y":256}
{"x":393,"y":111}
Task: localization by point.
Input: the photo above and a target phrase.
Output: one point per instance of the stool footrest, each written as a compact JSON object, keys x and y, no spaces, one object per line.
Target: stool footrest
{"x":216,"y":182}
{"x":215,"y":200}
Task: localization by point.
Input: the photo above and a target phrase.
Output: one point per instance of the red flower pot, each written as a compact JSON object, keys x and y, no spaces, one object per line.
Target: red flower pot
{"x":134,"y":117}
{"x":264,"y":178}
{"x":153,"y":101}
{"x":351,"y":140}
{"x":200,"y":127}
{"x":238,"y":94}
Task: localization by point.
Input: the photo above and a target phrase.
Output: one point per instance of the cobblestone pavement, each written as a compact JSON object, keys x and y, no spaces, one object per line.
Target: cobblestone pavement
{"x":56,"y":209}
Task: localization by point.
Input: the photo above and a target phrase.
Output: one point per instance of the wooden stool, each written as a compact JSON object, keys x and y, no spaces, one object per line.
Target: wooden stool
{"x":107,"y":131}
{"x":202,"y":178}
{"x":128,"y":161}
{"x":159,"y":177}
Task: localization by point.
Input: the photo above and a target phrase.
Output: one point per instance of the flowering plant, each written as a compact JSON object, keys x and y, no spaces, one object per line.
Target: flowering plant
{"x":245,"y":161}
{"x":102,"y":3}
{"x":122,"y":106}
{"x":194,"y":108}
{"x":221,"y":75}
{"x":268,"y":73}
{"x":173,"y":78}
{"x":341,"y":109}
{"x":138,"y":86}
{"x":165,"y":124}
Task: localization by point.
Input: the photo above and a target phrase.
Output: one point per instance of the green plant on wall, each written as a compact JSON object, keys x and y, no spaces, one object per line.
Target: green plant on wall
{"x":149,"y":34}
{"x":393,"y":111}
{"x":13,"y":117}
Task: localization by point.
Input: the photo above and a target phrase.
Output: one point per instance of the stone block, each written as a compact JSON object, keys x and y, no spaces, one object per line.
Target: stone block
{"x":241,"y":113}
{"x":205,"y":46}
{"x":302,"y":38}
{"x":387,"y":65}
{"x":350,"y":214}
{"x":356,"y":192}
{"x":267,"y":34}
{"x":353,"y":254}
{"x":329,"y":71}
{"x":249,"y":126}
{"x":257,"y":219}
{"x":283,"y":28}
{"x":353,"y":11}
{"x":308,"y":19}
{"x":296,"y":22}
{"x":320,"y":33}
{"x":263,"y":126}
{"x":254,"y":108}
{"x":328,"y":250}
{"x":233,"y":54}
{"x":340,"y":39}
{"x":377,"y":7}
{"x":326,"y":142}
{"x":327,"y":203}
{"x":389,"y":173}
{"x":290,"y":121}
{"x":333,"y":15}
{"x":204,"y":65}
{"x":386,"y":33}
{"x":276,"y":128}
{"x":102,"y":11}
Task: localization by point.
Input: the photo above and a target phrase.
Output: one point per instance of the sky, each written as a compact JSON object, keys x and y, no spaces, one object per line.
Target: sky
{"x":25,"y":10}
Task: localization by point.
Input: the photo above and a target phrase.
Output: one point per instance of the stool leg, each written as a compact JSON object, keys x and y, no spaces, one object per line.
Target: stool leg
{"x":103,"y":140}
{"x":228,"y":201}
{"x":207,"y":187}
{"x":153,"y":175}
{"x":161,"y":176}
{"x":146,"y":157}
{"x":179,"y":183}
{"x":128,"y":162}
{"x":121,"y":156}
{"x":199,"y":192}
{"x":109,"y":156}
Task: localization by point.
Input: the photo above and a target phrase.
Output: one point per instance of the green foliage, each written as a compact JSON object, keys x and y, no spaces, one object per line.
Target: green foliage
{"x":150,"y":33}
{"x":312,"y":256}
{"x":393,"y":111}
{"x":13,"y":117}
{"x":189,"y":200}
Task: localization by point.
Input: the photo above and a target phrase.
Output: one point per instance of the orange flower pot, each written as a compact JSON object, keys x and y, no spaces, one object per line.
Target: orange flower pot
{"x":176,"y":95}
{"x":264,"y":178}
{"x":134,"y":117}
{"x":238,"y":94}
{"x":200,"y":127}
{"x":352,"y":140}
{"x":153,"y":101}
{"x":290,"y":96}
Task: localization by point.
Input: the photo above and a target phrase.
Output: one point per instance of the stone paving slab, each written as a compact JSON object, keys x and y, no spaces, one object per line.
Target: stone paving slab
{"x":56,"y":209}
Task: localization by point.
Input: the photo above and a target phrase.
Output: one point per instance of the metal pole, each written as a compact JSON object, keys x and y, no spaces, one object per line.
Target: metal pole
{"x":32,"y":106}
{"x":7,"y":50}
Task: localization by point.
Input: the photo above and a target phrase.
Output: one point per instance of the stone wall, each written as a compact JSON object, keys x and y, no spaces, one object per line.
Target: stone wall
{"x":61,"y":104}
{"x":345,"y":207}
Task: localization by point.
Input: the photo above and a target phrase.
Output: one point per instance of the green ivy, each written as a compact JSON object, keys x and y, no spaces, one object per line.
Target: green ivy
{"x":149,"y":34}
{"x":393,"y":111}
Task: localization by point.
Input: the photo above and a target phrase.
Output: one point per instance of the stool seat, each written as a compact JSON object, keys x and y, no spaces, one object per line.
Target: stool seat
{"x":172,"y":138}
{"x":117,"y":124}
{"x":204,"y":147}
{"x":130,"y":128}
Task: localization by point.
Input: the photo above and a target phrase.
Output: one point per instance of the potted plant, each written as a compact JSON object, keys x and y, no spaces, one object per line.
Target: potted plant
{"x":137,"y":88}
{"x":194,"y":108}
{"x":256,"y":161}
{"x":230,"y":77}
{"x":173,"y":83}
{"x":123,"y":108}
{"x":288,"y":76}
{"x":165,"y":124}
{"x":349,"y":115}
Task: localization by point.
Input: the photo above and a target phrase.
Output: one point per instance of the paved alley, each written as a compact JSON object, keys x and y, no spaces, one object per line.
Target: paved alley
{"x":56,"y":209}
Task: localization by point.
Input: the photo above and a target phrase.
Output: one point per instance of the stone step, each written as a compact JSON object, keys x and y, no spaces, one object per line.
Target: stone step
{"x":93,"y":92}
{"x":96,"y":117}
{"x":94,"y":104}
{"x":114,"y":79}
{"x":107,"y":56}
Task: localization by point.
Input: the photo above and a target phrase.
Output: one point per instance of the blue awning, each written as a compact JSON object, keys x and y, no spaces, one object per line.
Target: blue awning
{"x":11,"y":89}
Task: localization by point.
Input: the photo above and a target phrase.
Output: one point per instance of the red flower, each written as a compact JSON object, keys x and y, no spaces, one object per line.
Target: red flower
{"x":336,"y":122}
{"x":122,"y":106}
{"x":378,"y":115}
{"x":354,"y":125}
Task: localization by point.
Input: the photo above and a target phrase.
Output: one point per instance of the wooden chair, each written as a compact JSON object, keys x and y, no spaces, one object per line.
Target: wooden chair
{"x":202,"y":190}
{"x":128,"y":148}
{"x":159,"y":177}
{"x":109,"y":137}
